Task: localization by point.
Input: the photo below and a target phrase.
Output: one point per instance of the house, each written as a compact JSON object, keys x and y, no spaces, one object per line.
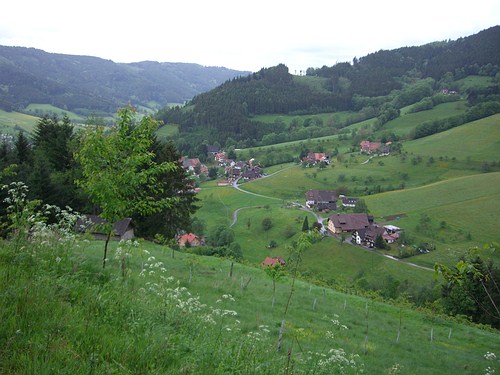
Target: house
{"x":343,"y":223}
{"x":349,"y":202}
{"x":189,"y":239}
{"x":313,"y":158}
{"x":122,"y":229}
{"x":212,"y":150}
{"x":273,"y":261}
{"x":368,"y":236}
{"x":367,"y":147}
{"x":371,"y":235}
{"x":252,"y":174}
{"x":194,"y":166}
{"x":322,"y":200}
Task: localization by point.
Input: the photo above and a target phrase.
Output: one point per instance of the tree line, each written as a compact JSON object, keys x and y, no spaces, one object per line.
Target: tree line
{"x":377,"y":85}
{"x":48,"y":163}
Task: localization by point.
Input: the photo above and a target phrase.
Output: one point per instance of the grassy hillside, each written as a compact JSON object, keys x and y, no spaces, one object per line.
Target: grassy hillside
{"x":12,"y":122}
{"x":477,"y":141}
{"x":437,"y":179}
{"x":405,"y":124}
{"x":63,"y":314}
{"x":468,"y":207}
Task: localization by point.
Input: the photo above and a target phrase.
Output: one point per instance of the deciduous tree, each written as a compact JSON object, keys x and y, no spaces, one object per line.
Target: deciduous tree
{"x":119,"y":173}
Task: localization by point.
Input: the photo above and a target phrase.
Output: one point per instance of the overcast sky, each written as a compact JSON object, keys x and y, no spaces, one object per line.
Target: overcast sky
{"x":238,"y":34}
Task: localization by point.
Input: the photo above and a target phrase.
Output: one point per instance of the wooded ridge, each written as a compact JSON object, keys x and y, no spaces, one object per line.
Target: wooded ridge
{"x":85,"y":84}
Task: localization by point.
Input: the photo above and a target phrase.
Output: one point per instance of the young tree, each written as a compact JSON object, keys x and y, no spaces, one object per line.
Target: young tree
{"x":361,"y":207}
{"x":267,"y":223}
{"x":275,"y":272}
{"x":119,"y":173}
{"x":305,"y":240}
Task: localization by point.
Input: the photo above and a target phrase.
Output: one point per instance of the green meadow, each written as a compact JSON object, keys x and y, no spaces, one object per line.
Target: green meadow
{"x":12,"y":122}
{"x":153,"y":313}
{"x":437,"y":177}
{"x":47,"y":109}
{"x":405,"y":124}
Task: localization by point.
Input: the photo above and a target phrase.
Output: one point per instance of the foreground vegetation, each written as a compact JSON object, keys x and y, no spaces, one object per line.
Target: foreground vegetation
{"x":153,"y":311}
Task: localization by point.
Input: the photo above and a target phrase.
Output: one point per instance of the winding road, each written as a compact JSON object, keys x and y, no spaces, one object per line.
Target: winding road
{"x":319,"y":219}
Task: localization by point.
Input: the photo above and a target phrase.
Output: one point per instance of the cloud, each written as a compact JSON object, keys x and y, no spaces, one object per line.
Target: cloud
{"x":246,"y":35}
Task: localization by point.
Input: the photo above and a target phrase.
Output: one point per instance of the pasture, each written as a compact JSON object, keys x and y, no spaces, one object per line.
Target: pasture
{"x":168,"y":320}
{"x":13,"y":122}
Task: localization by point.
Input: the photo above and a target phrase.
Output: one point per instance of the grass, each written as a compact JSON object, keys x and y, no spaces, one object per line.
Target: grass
{"x":404,"y":125}
{"x":12,"y":122}
{"x":325,"y":118}
{"x":70,"y":316}
{"x":42,"y":109}
{"x":461,"y":201}
{"x":168,"y":130}
{"x":478,"y":141}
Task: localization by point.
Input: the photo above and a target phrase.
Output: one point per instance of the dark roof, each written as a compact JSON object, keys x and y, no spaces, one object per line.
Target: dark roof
{"x":350,"y":222}
{"x":373,"y":231}
{"x":92,"y":223}
{"x":346,"y":200}
{"x":321,"y":195}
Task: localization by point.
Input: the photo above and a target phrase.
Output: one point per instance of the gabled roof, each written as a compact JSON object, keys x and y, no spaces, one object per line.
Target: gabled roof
{"x":189,"y":237}
{"x":321,"y":195}
{"x":350,"y":222}
{"x":273,"y":261}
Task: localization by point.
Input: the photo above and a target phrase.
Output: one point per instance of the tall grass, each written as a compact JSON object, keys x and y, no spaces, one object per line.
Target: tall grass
{"x":146,"y":313}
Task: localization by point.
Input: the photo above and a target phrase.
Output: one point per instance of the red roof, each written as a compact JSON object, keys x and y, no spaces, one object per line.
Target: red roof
{"x":273,"y":261}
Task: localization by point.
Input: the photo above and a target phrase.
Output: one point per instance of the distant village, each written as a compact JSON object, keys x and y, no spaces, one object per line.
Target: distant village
{"x":359,"y":227}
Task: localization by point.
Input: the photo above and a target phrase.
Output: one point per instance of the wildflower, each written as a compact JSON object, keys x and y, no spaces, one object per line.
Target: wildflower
{"x":490,"y":356}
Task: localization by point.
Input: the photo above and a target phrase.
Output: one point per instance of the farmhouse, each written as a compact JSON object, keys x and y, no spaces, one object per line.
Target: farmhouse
{"x":367,"y":147}
{"x":313,"y":158}
{"x":322,"y":200}
{"x":273,"y":261}
{"x":344,"y":223}
{"x":122,"y":230}
{"x":252,"y":174}
{"x":194,"y":166}
{"x":367,"y":236}
{"x":349,"y":202}
{"x":189,"y":239}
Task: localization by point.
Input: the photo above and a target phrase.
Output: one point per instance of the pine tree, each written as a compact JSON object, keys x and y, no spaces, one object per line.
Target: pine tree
{"x":305,"y":225}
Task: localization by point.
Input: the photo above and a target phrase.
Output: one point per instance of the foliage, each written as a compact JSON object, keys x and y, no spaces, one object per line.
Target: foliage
{"x":220,"y":236}
{"x":175,"y":183}
{"x":472,"y":287}
{"x":267,"y":223}
{"x":119,"y":173}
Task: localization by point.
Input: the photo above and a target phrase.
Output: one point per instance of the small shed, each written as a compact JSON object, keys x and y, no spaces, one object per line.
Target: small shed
{"x":122,"y":229}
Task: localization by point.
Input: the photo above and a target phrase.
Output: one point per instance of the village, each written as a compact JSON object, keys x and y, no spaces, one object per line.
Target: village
{"x":349,"y":225}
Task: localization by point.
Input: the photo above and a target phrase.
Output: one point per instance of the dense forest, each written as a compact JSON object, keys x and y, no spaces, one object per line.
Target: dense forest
{"x":47,"y":165}
{"x":377,"y":85}
{"x":85,"y":84}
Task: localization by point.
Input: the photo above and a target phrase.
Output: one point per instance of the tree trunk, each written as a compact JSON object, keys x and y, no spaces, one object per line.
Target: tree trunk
{"x":274,"y":292}
{"x":106,"y":250}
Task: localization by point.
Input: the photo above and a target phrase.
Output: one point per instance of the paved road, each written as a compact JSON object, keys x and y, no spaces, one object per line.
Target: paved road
{"x":319,"y":219}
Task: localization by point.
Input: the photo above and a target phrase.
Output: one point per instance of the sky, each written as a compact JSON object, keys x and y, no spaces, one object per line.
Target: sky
{"x":239,"y":34}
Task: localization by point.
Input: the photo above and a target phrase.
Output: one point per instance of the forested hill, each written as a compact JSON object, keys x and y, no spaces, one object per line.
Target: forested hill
{"x":368,"y":83}
{"x":85,"y":84}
